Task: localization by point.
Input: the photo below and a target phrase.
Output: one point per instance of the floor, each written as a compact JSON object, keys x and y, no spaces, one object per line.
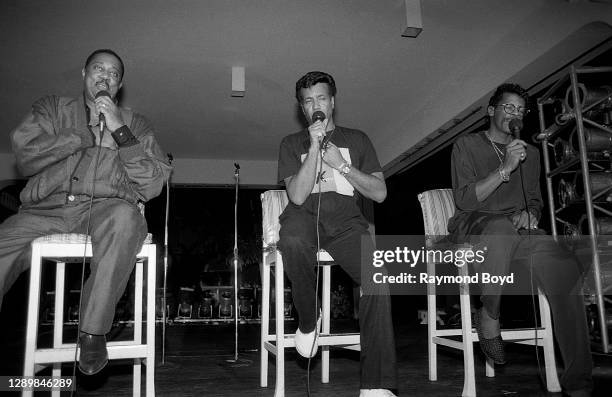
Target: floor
{"x":196,"y":364}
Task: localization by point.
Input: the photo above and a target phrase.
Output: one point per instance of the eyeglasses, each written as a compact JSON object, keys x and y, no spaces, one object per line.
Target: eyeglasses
{"x":513,"y":109}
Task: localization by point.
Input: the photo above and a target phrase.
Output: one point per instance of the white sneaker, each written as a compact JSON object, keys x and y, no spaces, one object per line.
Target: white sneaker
{"x":376,"y":393}
{"x":304,"y":342}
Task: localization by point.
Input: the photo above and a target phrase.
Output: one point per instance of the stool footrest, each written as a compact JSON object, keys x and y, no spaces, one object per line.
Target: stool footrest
{"x":66,"y":354}
{"x":455,"y":344}
{"x":510,"y":334}
{"x":324,"y":339}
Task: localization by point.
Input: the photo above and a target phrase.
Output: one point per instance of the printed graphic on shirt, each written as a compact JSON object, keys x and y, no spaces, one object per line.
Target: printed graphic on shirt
{"x":330,"y":179}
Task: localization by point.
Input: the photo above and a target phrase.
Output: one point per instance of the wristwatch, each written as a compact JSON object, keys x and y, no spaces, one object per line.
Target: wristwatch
{"x":344,"y":168}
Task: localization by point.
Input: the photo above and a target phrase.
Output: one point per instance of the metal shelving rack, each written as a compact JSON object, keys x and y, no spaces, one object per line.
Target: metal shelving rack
{"x":575,"y":115}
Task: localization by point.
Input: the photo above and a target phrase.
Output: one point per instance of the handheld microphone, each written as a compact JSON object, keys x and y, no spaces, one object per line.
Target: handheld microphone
{"x":101,"y":115}
{"x":515,"y":126}
{"x":320,"y":116}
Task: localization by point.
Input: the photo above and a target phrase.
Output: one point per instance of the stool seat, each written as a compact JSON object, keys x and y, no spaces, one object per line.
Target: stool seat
{"x":69,"y":247}
{"x":74,"y":238}
{"x":324,"y":257}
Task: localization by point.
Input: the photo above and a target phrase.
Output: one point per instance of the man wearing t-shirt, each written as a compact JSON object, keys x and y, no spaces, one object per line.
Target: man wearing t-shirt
{"x":324,"y":169}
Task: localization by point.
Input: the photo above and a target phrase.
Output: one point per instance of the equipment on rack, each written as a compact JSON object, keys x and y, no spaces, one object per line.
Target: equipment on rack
{"x":575,"y":123}
{"x":572,"y":191}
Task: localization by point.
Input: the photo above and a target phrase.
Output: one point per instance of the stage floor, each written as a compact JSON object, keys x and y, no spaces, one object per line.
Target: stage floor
{"x":196,"y":365}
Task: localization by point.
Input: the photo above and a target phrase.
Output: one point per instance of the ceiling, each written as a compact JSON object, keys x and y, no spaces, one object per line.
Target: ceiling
{"x":179,"y":54}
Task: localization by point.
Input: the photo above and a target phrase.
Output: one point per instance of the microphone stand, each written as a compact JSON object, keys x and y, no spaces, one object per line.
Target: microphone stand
{"x":235,"y":261}
{"x":164,"y":305}
{"x":235,"y":361}
{"x":237,"y":178}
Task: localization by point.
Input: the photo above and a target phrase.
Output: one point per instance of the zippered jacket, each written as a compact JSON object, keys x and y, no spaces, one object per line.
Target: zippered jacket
{"x":55,"y":149}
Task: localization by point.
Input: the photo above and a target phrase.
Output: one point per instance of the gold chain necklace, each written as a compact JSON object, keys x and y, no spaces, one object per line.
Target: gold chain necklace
{"x":500,"y":153}
{"x":327,"y":138}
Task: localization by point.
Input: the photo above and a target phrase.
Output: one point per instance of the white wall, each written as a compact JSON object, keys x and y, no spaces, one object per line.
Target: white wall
{"x":488,"y":44}
{"x":482,"y":45}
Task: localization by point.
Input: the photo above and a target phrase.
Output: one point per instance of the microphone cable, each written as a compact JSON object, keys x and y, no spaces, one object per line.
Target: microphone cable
{"x":318,"y":182}
{"x":87,"y":238}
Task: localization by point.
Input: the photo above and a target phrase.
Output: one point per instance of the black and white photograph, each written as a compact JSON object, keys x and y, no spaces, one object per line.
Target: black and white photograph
{"x":285,"y":198}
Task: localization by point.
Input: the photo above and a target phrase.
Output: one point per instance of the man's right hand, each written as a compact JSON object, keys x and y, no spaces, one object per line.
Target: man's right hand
{"x":516,"y":151}
{"x":317,"y":132}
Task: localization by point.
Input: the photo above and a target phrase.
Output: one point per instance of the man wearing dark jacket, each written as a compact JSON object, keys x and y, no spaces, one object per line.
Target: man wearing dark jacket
{"x":70,"y":164}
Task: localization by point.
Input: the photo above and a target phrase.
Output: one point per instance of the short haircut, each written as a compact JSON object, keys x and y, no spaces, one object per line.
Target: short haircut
{"x":313,"y":78}
{"x":106,"y":51}
{"x":508,"y":88}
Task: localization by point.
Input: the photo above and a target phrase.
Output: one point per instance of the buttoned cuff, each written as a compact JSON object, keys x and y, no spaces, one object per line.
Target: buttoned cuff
{"x":124,"y":137}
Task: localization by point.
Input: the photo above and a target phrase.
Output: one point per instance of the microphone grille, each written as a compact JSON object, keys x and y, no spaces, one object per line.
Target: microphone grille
{"x":318,"y":116}
{"x":515,"y":125}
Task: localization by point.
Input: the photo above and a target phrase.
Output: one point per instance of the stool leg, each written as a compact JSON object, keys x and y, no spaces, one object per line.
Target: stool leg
{"x":489,"y":368}
{"x":280,"y":327}
{"x":32,"y":327}
{"x":265,"y":319}
{"x":469,"y":375}
{"x":432,"y":352}
{"x":56,"y":373}
{"x":58,"y":317}
{"x":151,"y":284}
{"x":552,"y":379}
{"x":136,"y":377}
{"x":325,"y":306}
{"x":136,"y":366}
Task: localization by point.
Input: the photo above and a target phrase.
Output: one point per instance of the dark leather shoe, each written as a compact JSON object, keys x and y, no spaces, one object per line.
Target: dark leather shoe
{"x":94,"y":356}
{"x":493,"y":348}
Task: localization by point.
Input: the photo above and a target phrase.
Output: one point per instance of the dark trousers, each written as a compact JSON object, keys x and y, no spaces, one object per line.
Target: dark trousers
{"x":342,"y":231}
{"x":557,"y":273}
{"x":117,"y":231}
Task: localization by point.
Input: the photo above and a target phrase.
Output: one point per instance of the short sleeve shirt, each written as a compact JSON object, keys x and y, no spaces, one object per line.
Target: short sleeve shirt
{"x":355,"y":146}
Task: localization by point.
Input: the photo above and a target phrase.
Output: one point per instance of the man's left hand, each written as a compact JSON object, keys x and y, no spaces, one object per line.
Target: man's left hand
{"x":332,"y":156}
{"x":524,"y":220}
{"x":112,"y":114}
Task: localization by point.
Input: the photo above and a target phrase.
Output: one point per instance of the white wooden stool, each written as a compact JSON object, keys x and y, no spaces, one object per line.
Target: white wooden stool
{"x":273,"y":203}
{"x":438,"y":207}
{"x":62,"y":248}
